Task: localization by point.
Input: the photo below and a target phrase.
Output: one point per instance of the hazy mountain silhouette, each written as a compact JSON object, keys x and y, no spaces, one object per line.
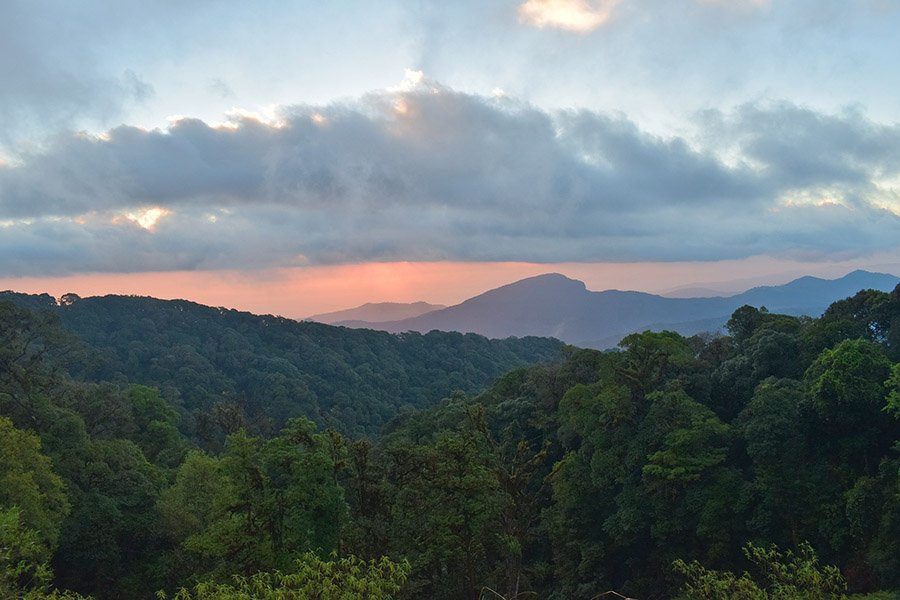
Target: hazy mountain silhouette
{"x":554,"y":305}
{"x":376,"y":312}
{"x":695,"y":292}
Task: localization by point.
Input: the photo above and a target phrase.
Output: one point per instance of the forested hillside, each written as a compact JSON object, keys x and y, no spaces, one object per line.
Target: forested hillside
{"x":605,"y":470}
{"x":218,"y":366}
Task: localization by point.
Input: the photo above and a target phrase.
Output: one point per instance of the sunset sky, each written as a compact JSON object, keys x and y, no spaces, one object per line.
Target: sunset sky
{"x":294,"y":157}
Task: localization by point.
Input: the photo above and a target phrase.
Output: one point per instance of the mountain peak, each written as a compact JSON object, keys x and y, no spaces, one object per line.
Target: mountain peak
{"x":545,"y":281}
{"x":554,"y":305}
{"x":547,"y":292}
{"x":861,"y":273}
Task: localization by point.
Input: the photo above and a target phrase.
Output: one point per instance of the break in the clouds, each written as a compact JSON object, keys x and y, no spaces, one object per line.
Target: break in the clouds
{"x":428,"y":173}
{"x":580,"y":16}
{"x":585,"y":16}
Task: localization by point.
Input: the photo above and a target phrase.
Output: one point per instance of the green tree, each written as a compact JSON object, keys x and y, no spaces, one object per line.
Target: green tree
{"x":782,"y":576}
{"x":651,"y":358}
{"x":846,"y":392}
{"x":28,"y":482}
{"x":190,"y":512}
{"x":24,"y":562}
{"x":893,"y":385}
{"x":24,"y":556}
{"x":156,"y":426}
{"x":788,"y":481}
{"x":445,"y":513}
{"x":111,"y":542}
{"x":259,"y":506}
{"x":312,"y":578}
{"x":868,"y":314}
{"x":645,"y":476}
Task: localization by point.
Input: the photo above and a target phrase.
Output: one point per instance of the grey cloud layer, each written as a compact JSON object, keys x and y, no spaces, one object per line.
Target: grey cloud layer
{"x":432,"y":174}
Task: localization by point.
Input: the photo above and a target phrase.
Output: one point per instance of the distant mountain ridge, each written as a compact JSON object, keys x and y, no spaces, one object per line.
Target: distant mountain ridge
{"x":694,"y":292}
{"x":556,"y":306}
{"x":376,"y":312}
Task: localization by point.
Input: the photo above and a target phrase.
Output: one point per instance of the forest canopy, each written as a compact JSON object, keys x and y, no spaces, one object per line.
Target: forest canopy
{"x":670,"y":467}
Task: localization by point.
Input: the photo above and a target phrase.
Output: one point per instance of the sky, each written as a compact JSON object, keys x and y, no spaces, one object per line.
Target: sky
{"x":295,"y":157}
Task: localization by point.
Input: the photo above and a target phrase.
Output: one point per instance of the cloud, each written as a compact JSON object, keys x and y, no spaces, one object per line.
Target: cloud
{"x":451,"y":176}
{"x":585,"y":16}
{"x":57,"y":67}
{"x":581,"y":16}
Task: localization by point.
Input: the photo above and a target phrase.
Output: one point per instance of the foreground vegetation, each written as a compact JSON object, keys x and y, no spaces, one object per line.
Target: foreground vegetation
{"x":762,"y":464}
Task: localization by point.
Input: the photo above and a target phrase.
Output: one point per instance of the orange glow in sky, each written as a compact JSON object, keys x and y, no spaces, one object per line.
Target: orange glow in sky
{"x":300,"y":292}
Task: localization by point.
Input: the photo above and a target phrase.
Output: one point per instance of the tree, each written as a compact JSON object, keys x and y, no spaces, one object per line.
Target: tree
{"x":257,"y":507}
{"x":788,"y":483}
{"x":645,"y":476}
{"x":28,"y":482}
{"x":111,"y":543}
{"x":867,"y":314}
{"x":846,"y":392}
{"x":744,"y":322}
{"x":189,"y":511}
{"x":445,"y":513}
{"x":23,"y":556}
{"x":156,"y":426}
{"x":348,"y":578}
{"x":893,"y":385}
{"x":24,"y":562}
{"x":783,"y":576}
{"x":651,"y":358}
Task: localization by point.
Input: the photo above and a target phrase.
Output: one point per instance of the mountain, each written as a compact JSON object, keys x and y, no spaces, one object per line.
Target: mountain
{"x":554,"y":305}
{"x":694,"y":292}
{"x":376,"y":312}
{"x":204,"y":358}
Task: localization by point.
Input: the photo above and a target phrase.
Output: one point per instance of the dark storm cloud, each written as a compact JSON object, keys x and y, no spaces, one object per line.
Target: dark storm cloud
{"x":431,"y":174}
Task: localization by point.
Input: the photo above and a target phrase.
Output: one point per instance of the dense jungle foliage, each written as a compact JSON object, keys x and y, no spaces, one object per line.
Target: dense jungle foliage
{"x":761,"y":464}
